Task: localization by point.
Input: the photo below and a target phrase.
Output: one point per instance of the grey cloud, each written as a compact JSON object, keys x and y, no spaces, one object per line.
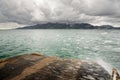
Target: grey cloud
{"x":36,"y":11}
{"x":103,"y":8}
{"x":14,"y":11}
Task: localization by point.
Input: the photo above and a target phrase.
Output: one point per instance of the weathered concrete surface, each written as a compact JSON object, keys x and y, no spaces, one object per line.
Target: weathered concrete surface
{"x":39,"y":67}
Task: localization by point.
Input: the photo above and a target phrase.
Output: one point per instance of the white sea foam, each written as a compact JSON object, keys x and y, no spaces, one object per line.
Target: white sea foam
{"x":105,"y":65}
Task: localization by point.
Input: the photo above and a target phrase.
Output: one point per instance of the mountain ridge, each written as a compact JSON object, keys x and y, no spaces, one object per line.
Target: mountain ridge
{"x":67,"y":26}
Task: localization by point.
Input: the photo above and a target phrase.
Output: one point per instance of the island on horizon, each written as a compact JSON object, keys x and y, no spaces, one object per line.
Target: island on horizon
{"x":67,"y":26}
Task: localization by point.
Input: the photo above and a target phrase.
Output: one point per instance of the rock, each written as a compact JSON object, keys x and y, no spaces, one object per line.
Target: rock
{"x":40,"y":67}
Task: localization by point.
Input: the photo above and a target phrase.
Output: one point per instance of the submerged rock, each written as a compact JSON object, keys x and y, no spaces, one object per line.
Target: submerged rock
{"x":39,"y":67}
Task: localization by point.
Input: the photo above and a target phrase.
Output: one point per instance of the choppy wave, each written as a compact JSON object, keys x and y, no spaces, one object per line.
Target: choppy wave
{"x":102,"y":46}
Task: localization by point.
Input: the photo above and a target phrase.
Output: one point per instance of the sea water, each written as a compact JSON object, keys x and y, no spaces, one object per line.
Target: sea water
{"x":102,"y":46}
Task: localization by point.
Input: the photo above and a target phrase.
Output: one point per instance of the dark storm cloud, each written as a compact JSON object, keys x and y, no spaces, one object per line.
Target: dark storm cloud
{"x":37,"y":11}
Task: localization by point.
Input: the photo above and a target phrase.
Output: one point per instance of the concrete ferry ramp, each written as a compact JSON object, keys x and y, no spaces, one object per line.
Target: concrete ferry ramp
{"x":39,"y":67}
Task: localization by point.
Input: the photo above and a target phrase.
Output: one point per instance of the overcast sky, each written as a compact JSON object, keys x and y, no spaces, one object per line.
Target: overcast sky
{"x":16,"y":13}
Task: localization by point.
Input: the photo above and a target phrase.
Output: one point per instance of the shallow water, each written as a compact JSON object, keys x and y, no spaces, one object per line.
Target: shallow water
{"x":102,"y":46}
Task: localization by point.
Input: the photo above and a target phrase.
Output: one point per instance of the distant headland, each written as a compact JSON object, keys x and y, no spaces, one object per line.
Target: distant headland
{"x":67,"y":26}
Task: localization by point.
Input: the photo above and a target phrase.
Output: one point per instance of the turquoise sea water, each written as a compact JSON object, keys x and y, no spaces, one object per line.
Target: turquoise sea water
{"x":102,"y":46}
